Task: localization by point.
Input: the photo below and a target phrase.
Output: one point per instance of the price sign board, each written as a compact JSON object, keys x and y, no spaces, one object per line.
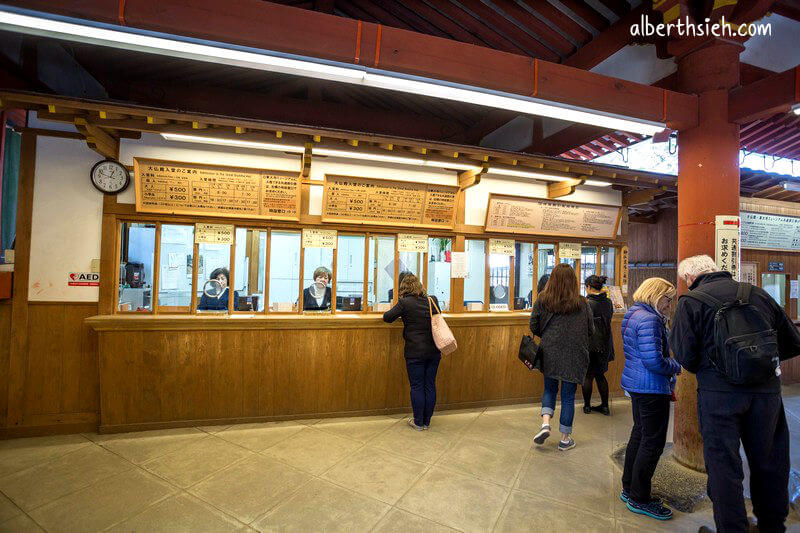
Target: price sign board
{"x":410,"y":242}
{"x":213,"y":233}
{"x":319,"y":238}
{"x":569,"y":250}
{"x":501,"y":246}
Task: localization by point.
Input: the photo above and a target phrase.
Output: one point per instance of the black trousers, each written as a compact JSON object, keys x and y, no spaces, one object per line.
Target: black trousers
{"x":759,"y":423}
{"x":648,"y":436}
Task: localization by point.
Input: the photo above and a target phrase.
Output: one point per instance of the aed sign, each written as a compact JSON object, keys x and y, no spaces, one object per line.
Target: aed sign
{"x":83,"y":279}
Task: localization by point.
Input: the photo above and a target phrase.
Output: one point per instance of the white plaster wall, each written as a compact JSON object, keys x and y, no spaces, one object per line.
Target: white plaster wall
{"x":67,"y":219}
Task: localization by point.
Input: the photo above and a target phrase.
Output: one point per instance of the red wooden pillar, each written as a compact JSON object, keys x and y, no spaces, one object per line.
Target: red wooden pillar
{"x":708,"y":185}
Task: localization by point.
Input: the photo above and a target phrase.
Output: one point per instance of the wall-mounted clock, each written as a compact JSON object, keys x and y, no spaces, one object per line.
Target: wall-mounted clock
{"x":110,"y":177}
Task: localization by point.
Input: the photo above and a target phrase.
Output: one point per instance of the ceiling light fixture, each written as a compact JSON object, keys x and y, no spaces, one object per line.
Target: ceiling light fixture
{"x":793,"y":186}
{"x":78,"y":30}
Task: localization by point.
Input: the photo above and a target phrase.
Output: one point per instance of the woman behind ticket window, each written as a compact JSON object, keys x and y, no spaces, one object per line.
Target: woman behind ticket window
{"x":317,"y":296}
{"x":219,"y":302}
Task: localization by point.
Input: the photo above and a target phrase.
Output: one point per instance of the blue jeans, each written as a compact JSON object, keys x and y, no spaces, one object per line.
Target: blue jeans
{"x":567,"y":402}
{"x":422,"y":378}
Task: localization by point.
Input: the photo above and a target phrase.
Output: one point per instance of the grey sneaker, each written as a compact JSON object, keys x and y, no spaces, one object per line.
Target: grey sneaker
{"x":413,"y":425}
{"x":564,"y":445}
{"x":426,"y":427}
{"x":540,"y":437}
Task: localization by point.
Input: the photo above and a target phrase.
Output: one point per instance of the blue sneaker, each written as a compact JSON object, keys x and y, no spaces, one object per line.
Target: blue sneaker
{"x":623,"y":495}
{"x":652,"y":509}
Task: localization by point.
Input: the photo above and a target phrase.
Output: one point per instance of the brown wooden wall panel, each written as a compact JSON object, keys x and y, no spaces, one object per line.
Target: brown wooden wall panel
{"x":152,"y":378}
{"x":654,"y":242}
{"x":5,"y":343}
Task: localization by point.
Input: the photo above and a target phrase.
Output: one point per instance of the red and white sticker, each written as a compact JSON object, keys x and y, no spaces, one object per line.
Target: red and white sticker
{"x":83,"y":279}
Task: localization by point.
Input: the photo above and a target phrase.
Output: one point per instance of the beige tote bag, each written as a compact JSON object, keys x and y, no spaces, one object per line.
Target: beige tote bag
{"x":442,"y":336}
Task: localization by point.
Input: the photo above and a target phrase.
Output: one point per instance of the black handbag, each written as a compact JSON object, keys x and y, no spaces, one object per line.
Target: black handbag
{"x":530,"y":352}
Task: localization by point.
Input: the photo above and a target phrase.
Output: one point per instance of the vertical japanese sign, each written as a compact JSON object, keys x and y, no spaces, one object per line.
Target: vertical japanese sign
{"x":727,"y":244}
{"x":623,"y":269}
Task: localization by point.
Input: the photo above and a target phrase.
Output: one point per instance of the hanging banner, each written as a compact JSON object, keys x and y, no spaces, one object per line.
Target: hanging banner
{"x":319,"y":238}
{"x":748,"y":272}
{"x":501,"y":246}
{"x":727,"y":244}
{"x":569,"y":250}
{"x":411,"y":242}
{"x":213,"y":233}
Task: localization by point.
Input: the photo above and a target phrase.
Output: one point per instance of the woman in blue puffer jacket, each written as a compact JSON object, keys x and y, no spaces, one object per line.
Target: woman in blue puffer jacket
{"x":647,"y":377}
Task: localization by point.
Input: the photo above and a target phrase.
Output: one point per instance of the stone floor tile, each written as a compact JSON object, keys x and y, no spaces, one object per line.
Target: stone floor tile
{"x":529,"y":512}
{"x":398,"y":521}
{"x":103,"y":504}
{"x":488,"y":461}
{"x":214,"y":429}
{"x":502,"y":428}
{"x":322,"y":506}
{"x":180,"y":512}
{"x":258,"y":437}
{"x":250,"y":488}
{"x":188,"y":465}
{"x":7,"y":509}
{"x":358,"y":428}
{"x":453,"y":420}
{"x":589,"y":451}
{"x":18,"y":454}
{"x":142,"y":446}
{"x":565,"y":481}
{"x":377,"y":474}
{"x":312,"y":450}
{"x":66,"y":474}
{"x":424,"y":446}
{"x":20,"y":524}
{"x":455,"y":500}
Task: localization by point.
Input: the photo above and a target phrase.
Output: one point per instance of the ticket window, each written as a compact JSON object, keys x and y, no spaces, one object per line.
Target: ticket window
{"x":250,"y":269}
{"x":588,"y":265}
{"x":775,"y":285}
{"x":523,"y":275}
{"x":317,"y":279}
{"x":284,"y":271}
{"x":380,"y":272}
{"x":608,"y":258}
{"x":412,"y":262}
{"x":137,"y":256}
{"x":350,"y":273}
{"x":214,"y":278}
{"x":438,"y":282}
{"x":175,"y":263}
{"x":475,"y":282}
{"x":499,"y":281}
{"x":547,"y":260}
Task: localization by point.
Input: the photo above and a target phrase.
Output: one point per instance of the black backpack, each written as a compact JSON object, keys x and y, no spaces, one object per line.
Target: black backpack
{"x":746,"y":345}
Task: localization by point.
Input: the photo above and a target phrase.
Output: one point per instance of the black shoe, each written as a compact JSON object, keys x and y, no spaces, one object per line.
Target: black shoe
{"x":587,"y":409}
{"x":652,"y":509}
{"x":602,"y":409}
{"x":705,"y":529}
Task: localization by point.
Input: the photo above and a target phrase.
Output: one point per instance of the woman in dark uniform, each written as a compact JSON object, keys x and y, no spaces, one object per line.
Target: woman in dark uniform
{"x":220,"y":302}
{"x":311,"y":299}
{"x":601,"y":345}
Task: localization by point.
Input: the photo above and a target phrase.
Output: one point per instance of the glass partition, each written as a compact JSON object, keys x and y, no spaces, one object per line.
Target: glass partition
{"x":499,"y":278}
{"x":608,"y":260}
{"x":176,"y":252}
{"x":438,"y":282}
{"x":250,"y":271}
{"x":349,"y":272}
{"x":412,"y":262}
{"x":136,"y":258}
{"x":775,"y":285}
{"x":523,"y":275}
{"x":475,"y":282}
{"x":284,"y":270}
{"x":546,"y":260}
{"x":214,"y":278}
{"x":588,"y":265}
{"x":317,"y":279}
{"x":380,"y":274}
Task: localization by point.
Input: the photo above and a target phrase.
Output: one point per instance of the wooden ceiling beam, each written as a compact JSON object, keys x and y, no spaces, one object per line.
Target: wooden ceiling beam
{"x":765,"y":97}
{"x":544,"y":32}
{"x":559,"y":189}
{"x":609,"y":42}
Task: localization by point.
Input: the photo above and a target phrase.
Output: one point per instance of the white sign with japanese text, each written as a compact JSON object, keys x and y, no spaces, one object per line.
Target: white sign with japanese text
{"x":319,"y":238}
{"x":569,"y":250}
{"x":501,"y":246}
{"x":410,"y":242}
{"x":727,"y":244}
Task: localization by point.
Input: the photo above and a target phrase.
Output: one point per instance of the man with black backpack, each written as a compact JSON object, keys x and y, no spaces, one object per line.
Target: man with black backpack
{"x":733,"y":336}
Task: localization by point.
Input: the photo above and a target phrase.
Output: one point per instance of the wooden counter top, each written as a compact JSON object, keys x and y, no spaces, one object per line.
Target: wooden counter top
{"x":148,"y":322}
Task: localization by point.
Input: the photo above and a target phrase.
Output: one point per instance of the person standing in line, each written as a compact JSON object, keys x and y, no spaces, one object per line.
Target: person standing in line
{"x":562,"y":319}
{"x":648,"y":378}
{"x":422,"y":355}
{"x":738,"y":391}
{"x":601,"y":345}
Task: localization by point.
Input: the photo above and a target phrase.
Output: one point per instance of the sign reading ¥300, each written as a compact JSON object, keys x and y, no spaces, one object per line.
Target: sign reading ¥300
{"x":761,"y":231}
{"x":195,"y":189}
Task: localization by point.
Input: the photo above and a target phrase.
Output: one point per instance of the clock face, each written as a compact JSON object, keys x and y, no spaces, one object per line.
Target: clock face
{"x":110,"y":176}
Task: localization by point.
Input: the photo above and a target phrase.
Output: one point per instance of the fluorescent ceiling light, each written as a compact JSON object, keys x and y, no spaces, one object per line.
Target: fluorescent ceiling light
{"x":232,"y":142}
{"x":30,"y":22}
{"x":791,"y":185}
{"x":523,"y":174}
{"x":596,"y":183}
{"x":796,"y":109}
{"x":332,"y":152}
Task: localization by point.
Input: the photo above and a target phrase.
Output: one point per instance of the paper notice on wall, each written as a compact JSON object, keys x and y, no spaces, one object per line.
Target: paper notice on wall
{"x":727,"y":241}
{"x":615,"y":295}
{"x":319,"y":238}
{"x":169,"y":280}
{"x":213,"y":233}
{"x":793,"y":289}
{"x":748,"y":272}
{"x":458,"y":265}
{"x":174,"y":261}
{"x":501,"y":246}
{"x":411,"y":242}
{"x":569,"y":250}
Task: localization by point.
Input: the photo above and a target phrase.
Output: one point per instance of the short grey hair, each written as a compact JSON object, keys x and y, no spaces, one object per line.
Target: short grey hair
{"x":696,"y":265}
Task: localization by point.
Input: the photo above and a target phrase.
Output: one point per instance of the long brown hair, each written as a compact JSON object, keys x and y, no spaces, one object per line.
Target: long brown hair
{"x":410,"y":286}
{"x":560,"y":295}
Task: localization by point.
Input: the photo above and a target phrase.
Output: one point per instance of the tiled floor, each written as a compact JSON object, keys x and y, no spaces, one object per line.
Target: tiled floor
{"x":474,"y":470}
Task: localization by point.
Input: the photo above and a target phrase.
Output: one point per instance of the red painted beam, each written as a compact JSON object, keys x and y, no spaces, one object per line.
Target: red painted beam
{"x":765,"y":97}
{"x":246,"y":22}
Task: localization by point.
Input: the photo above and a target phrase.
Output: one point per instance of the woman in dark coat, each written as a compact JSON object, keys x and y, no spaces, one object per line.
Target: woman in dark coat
{"x":601,"y":346}
{"x":563,"y":321}
{"x":422,"y":355}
